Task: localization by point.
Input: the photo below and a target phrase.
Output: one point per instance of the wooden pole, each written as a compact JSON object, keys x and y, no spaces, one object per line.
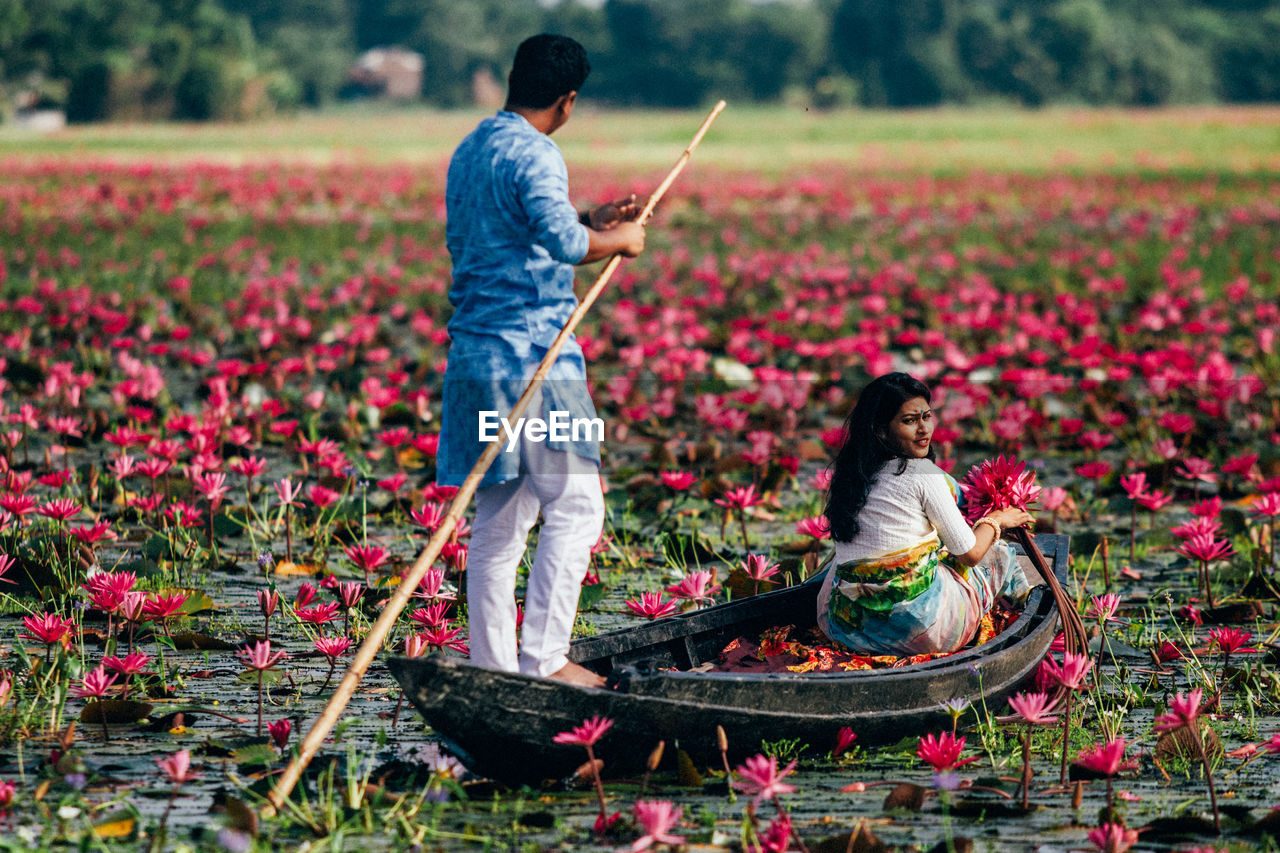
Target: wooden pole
{"x":382,"y":627}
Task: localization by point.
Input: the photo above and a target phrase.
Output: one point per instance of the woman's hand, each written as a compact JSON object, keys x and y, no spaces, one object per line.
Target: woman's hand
{"x":1006,"y":518}
{"x":1012,"y":517}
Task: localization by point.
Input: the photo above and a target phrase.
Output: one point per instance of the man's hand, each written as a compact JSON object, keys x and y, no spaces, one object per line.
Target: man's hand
{"x":624,"y":238}
{"x":613,"y":213}
{"x":631,"y":235}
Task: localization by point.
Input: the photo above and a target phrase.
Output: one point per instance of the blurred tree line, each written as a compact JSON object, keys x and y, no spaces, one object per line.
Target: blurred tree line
{"x":200,"y":59}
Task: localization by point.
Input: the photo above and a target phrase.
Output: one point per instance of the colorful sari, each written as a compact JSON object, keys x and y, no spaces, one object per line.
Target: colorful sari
{"x":911,"y":602}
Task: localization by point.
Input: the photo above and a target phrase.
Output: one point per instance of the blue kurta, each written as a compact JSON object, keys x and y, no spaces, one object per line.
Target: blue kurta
{"x":514,"y":238}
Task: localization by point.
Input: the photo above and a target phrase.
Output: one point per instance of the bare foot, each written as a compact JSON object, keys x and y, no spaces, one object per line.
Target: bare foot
{"x":572,"y":673}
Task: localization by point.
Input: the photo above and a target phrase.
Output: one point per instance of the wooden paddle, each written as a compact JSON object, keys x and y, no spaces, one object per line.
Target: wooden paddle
{"x":386,"y":620}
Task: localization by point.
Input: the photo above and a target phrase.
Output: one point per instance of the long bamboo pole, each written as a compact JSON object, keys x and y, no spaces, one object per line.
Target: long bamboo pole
{"x":382,"y":627}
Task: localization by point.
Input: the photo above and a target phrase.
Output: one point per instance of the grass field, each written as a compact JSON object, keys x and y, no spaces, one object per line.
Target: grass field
{"x":769,"y":139}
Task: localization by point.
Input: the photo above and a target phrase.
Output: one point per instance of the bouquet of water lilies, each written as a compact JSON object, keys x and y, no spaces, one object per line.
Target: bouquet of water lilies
{"x":996,"y":484}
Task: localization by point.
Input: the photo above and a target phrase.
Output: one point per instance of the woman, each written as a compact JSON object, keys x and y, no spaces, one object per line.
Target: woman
{"x":894,"y":519}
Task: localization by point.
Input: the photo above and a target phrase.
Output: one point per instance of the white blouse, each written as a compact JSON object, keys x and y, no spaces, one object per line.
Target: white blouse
{"x":903,"y":509}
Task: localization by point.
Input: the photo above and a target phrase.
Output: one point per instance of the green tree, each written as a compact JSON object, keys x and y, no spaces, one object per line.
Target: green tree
{"x":310,"y":41}
{"x":901,"y":51}
{"x":1249,"y":64}
{"x":1001,"y":56}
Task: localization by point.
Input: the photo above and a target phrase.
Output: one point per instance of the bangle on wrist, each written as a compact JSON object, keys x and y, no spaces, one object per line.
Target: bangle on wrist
{"x":986,"y":519}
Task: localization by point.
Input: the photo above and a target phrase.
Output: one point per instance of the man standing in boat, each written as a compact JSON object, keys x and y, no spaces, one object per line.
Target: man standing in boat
{"x":514,"y":238}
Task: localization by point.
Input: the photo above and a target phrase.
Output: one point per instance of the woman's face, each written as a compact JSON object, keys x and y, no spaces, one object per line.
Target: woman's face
{"x":911,"y":429}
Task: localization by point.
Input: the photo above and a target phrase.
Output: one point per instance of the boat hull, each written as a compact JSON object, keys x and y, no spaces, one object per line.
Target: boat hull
{"x":501,"y":725}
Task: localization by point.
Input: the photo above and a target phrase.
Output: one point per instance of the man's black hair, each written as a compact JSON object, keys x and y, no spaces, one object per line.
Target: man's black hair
{"x":546,"y":66}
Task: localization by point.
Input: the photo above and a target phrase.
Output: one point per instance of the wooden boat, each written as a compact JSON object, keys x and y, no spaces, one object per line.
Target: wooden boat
{"x":501,"y":725}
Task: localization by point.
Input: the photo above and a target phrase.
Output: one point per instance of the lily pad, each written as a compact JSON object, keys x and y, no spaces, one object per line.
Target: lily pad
{"x":905,"y":796}
{"x":114,"y":711}
{"x":240,"y":816}
{"x":194,"y":640}
{"x":270,"y":677}
{"x":117,"y":826}
{"x":196,"y":602}
{"x":1171,"y":830}
{"x":860,"y":840}
{"x":287,"y":567}
{"x":168,"y":722}
{"x":253,"y":755}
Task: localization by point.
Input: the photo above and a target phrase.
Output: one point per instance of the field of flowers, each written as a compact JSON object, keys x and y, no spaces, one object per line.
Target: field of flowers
{"x":220,"y":404}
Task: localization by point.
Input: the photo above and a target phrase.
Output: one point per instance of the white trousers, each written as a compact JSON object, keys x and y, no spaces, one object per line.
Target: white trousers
{"x":566,"y":488}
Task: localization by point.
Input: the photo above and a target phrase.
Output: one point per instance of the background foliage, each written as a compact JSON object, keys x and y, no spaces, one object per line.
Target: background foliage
{"x":201,"y":59}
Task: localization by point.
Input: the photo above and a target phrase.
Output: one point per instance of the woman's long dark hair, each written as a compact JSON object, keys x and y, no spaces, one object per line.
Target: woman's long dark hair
{"x":867,"y":446}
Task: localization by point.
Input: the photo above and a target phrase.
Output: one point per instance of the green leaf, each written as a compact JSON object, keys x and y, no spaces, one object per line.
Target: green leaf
{"x":196,"y":602}
{"x":119,"y":825}
{"x":193,"y":640}
{"x":254,"y":754}
{"x":591,"y":595}
{"x":114,"y":711}
{"x":270,"y":677}
{"x":156,"y":547}
{"x":225,"y":526}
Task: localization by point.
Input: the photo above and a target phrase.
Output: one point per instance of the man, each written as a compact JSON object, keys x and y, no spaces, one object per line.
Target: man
{"x":514,"y":238}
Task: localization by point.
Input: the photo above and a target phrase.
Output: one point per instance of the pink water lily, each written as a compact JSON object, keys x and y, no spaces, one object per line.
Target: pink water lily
{"x":279,"y":731}
{"x":696,"y":586}
{"x":586,"y":734}
{"x":1113,"y":838}
{"x":1033,"y":708}
{"x":998,"y":484}
{"x":678,"y":480}
{"x":177,"y":767}
{"x":845,"y":738}
{"x":656,"y":818}
{"x":942,"y":751}
{"x":1184,"y":710}
{"x":96,"y":684}
{"x":1103,"y":607}
{"x":1106,"y":759}
{"x":761,"y":778}
{"x":259,"y":656}
{"x":651,"y":605}
{"x":816,"y":527}
{"x":48,"y":628}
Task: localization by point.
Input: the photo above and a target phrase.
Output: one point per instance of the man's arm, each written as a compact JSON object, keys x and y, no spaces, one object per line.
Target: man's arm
{"x":625,"y":238}
{"x":606,"y":233}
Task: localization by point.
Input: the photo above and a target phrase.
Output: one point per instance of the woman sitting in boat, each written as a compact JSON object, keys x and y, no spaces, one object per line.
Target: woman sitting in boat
{"x":894,"y":587}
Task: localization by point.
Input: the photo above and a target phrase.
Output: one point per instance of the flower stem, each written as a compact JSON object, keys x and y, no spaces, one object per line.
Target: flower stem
{"x":1026,"y":768}
{"x":1194,"y":727}
{"x":795,"y":836}
{"x":157,"y":843}
{"x":1066,"y":737}
{"x":595,"y":776}
{"x":1133,"y":530}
